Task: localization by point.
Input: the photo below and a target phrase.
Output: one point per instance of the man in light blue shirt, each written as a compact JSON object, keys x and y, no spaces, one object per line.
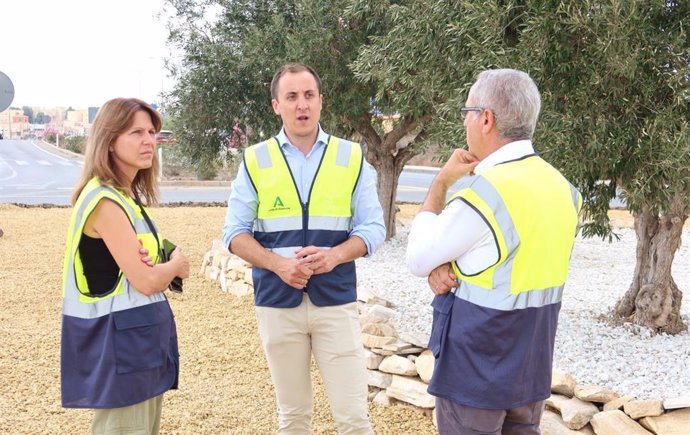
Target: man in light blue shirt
{"x":303,"y":207}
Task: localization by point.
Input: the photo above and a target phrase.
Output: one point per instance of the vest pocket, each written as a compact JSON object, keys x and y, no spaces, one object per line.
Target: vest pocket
{"x":137,"y":339}
{"x":442,"y":304}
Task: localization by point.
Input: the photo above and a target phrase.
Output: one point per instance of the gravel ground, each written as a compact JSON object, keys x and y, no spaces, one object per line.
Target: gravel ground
{"x":628,"y":359}
{"x":225,"y":386}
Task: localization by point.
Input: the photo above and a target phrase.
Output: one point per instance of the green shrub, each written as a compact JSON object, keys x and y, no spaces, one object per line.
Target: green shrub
{"x":206,"y":170}
{"x":76,"y":144}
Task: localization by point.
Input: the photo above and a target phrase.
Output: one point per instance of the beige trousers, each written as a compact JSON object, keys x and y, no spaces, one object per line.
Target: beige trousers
{"x":143,"y":418}
{"x":332,"y":334}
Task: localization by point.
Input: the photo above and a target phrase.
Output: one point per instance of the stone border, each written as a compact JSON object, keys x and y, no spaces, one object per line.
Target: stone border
{"x":399,"y":367}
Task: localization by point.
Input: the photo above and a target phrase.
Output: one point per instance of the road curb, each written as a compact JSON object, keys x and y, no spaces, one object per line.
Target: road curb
{"x":52,"y":148}
{"x":191,"y":183}
{"x":426,"y":169}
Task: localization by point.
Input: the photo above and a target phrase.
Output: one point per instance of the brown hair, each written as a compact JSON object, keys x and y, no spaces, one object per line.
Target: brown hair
{"x":112,"y":120}
{"x":292,"y":68}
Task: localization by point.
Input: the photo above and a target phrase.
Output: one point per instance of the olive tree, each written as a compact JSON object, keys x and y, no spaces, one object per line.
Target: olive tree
{"x":231,"y":50}
{"x":615,"y":79}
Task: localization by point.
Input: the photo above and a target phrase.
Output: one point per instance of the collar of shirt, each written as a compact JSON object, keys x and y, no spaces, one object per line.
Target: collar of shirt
{"x":321,"y":139}
{"x":509,"y":151}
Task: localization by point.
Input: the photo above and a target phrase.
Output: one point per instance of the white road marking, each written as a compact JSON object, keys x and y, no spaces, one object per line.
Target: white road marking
{"x":49,"y":153}
{"x":12,"y":172}
{"x":22,"y":162}
{"x":43,"y":163}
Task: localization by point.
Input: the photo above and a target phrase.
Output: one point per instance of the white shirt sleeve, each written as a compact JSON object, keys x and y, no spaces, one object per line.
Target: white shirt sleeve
{"x":459,"y":234}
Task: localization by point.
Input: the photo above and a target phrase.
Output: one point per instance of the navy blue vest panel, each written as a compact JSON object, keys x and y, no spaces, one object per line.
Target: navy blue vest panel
{"x":279,"y":239}
{"x":119,"y":359}
{"x":336,"y":287}
{"x":492,"y":359}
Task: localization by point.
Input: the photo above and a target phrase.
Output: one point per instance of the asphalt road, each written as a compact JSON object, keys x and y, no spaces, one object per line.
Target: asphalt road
{"x":29,"y":174}
{"x":32,"y":174}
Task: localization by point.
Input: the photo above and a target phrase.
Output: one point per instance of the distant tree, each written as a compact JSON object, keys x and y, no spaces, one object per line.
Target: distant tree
{"x":29,"y":112}
{"x":42,"y":118}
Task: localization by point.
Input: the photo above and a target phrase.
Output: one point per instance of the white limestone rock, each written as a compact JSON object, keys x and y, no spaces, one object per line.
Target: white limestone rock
{"x":373,"y":360}
{"x":378,"y":379}
{"x":671,"y":423}
{"x":562,"y":383}
{"x":643,"y":408}
{"x":677,"y":402}
{"x":398,"y":365}
{"x":425,"y":365}
{"x":552,"y":424}
{"x":616,"y":423}
{"x":595,"y":393}
{"x":411,"y":391}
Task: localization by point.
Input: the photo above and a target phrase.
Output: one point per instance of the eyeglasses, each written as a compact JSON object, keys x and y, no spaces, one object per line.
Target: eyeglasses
{"x":465,"y":110}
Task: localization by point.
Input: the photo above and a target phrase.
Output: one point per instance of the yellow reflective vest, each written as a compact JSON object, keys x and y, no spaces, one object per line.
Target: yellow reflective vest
{"x":494,"y":338}
{"x":120,"y":348}
{"x":284,"y":223}
{"x":534,"y":236}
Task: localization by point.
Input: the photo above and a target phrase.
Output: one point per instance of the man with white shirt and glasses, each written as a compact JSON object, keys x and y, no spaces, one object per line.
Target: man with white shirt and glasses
{"x":496,"y":256}
{"x":303,"y":207}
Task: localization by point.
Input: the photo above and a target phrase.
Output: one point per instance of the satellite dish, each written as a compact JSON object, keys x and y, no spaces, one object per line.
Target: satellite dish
{"x":6,"y":91}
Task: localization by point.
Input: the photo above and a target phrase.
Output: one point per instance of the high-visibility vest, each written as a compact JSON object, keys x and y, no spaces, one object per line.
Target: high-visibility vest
{"x":285,"y":224}
{"x":534,"y":236}
{"x":494,"y":338}
{"x":120,"y":348}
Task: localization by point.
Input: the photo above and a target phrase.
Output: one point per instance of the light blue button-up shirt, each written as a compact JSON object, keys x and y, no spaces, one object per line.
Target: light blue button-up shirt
{"x":366,"y":209}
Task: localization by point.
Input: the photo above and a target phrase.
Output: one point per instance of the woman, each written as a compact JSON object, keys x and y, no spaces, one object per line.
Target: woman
{"x":119,"y":344}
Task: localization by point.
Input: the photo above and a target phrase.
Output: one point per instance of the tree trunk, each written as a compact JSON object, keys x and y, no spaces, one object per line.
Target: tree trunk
{"x":653,"y":299}
{"x":388,"y":169}
{"x":388,"y":156}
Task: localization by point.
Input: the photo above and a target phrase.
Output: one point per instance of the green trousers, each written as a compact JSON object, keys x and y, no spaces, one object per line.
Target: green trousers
{"x":143,"y":418}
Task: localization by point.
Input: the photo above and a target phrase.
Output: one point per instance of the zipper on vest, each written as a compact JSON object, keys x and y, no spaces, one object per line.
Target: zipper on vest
{"x":305,"y":222}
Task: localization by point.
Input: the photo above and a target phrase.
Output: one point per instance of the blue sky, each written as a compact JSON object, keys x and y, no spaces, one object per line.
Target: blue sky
{"x":81,"y":53}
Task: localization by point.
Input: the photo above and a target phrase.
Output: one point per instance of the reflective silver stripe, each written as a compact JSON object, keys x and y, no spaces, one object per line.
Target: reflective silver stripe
{"x":289,"y":252}
{"x":129,"y":209}
{"x":295,"y":223}
{"x":330,"y":223}
{"x":278,"y":224}
{"x":576,"y":198}
{"x":129,"y":299}
{"x":488,"y":193}
{"x":467,"y":181}
{"x":80,"y":213}
{"x":463,"y":183}
{"x":89,"y":197}
{"x":344,"y":150}
{"x":263,"y":157}
{"x":140,"y":226}
{"x":501,"y":299}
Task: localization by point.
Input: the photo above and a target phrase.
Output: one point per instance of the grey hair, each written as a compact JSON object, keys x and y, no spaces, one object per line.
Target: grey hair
{"x":513,"y":97}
